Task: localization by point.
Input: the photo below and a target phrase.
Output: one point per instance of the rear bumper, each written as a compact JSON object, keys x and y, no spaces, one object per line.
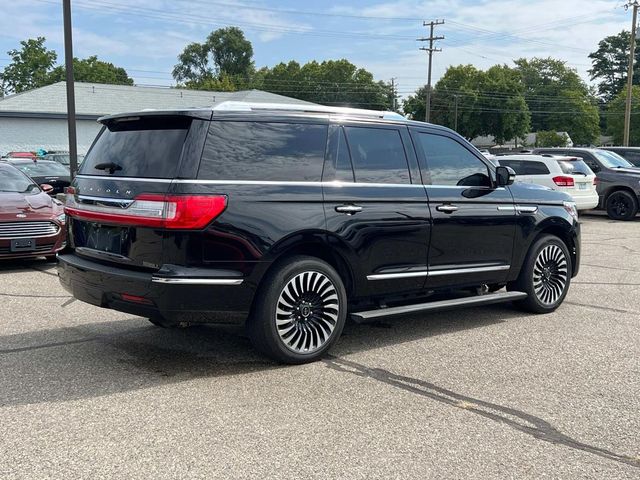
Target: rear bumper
{"x":586,"y":202}
{"x":221,"y":296}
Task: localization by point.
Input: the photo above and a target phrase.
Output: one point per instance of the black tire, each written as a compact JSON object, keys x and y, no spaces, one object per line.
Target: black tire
{"x":621,"y":205}
{"x":545,"y":276}
{"x":162,"y":323}
{"x":299,"y":311}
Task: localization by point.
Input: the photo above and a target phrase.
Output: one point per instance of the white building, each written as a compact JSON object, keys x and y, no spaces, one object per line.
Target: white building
{"x":38,"y":118}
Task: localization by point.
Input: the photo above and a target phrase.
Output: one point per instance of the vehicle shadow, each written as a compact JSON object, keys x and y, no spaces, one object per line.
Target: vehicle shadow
{"x":96,"y":359}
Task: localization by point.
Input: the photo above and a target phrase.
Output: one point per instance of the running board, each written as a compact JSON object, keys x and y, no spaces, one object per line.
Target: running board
{"x":487,"y":299}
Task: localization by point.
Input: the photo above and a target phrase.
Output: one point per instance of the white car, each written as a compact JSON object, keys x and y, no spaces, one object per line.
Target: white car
{"x":563,"y":173}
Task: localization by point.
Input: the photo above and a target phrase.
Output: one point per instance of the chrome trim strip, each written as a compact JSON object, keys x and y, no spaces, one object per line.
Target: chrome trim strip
{"x":198,"y":281}
{"x":105,"y":199}
{"x":389,"y":276}
{"x":458,"y":271}
{"x":437,"y":273}
{"x":128,"y":179}
{"x":506,"y":208}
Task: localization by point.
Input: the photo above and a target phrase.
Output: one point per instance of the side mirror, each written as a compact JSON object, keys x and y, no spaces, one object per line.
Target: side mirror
{"x":46,"y":188}
{"x":505,"y":176}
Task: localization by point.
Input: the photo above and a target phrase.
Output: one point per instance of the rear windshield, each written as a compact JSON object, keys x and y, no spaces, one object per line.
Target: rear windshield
{"x":43,"y":169}
{"x":572,"y":167}
{"x":138,"y":147}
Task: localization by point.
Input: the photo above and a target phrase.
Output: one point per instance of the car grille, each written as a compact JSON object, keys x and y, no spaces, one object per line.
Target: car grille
{"x":27,"y":229}
{"x":43,"y":248}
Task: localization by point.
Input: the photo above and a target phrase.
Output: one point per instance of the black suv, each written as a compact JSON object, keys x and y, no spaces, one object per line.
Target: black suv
{"x":618,"y":180}
{"x":285,"y":219}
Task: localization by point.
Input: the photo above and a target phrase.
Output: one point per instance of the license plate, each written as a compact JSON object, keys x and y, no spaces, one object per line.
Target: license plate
{"x":23,"y":245}
{"x":583,"y":186}
{"x":104,"y":238}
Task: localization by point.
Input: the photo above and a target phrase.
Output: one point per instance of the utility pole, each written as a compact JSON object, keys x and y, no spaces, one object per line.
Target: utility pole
{"x":632,"y":49}
{"x":430,"y":49}
{"x":71,"y":98}
{"x":455,"y":108}
{"x":393,"y":90}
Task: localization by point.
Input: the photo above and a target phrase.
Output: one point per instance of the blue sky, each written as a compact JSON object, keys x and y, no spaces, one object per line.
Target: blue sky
{"x":145,"y":36}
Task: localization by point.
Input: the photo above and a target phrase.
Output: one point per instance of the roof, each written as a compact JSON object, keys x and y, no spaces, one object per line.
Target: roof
{"x":94,"y":100}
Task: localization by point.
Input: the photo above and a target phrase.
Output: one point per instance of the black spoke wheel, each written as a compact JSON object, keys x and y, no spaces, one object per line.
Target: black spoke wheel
{"x":299,"y":312}
{"x":545,"y":275}
{"x":621,"y":205}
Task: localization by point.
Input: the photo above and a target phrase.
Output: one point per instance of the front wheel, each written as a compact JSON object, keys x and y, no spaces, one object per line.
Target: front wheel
{"x":545,"y":275}
{"x":300,"y":311}
{"x":621,"y":205}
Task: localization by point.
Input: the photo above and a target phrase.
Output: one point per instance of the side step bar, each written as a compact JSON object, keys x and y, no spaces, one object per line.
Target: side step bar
{"x":371,"y":315}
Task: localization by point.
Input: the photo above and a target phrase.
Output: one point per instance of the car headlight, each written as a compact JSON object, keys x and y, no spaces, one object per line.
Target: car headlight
{"x":570,"y":207}
{"x":62,"y":218}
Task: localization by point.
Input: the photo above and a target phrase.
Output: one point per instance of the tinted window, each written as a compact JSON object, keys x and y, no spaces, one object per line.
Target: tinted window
{"x":450,"y":163}
{"x":526,"y":167}
{"x":141,"y":147}
{"x":378,"y":155}
{"x":611,"y":160}
{"x":633,"y":157}
{"x":12,"y":180}
{"x":264,"y":151}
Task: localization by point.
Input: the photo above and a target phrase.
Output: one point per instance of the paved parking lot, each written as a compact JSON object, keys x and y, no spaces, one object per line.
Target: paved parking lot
{"x":478,"y":393}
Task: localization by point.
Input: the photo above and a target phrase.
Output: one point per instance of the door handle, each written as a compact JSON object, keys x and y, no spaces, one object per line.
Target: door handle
{"x":446,"y":208}
{"x":348,"y":209}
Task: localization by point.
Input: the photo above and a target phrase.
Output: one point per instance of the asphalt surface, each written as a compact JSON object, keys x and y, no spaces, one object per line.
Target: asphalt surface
{"x":478,"y":393}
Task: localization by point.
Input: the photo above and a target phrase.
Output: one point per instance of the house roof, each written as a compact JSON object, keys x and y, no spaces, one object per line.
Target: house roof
{"x":95,"y":99}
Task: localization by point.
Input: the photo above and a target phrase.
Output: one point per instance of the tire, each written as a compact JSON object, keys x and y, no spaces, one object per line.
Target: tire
{"x":621,"y":205}
{"x":299,"y":312}
{"x":162,"y":323}
{"x":545,"y":276}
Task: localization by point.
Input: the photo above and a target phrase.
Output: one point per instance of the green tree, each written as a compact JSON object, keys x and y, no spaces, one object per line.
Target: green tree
{"x":615,"y":123}
{"x":331,"y":82}
{"x":550,"y":139}
{"x":226,"y":53}
{"x":29,"y":67}
{"x":488,"y":103}
{"x":559,"y":100}
{"x":610,"y":63}
{"x":92,"y":70}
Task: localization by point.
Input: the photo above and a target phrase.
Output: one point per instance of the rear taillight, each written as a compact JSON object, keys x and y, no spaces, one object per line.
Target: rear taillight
{"x":185,"y":212}
{"x":564,"y":181}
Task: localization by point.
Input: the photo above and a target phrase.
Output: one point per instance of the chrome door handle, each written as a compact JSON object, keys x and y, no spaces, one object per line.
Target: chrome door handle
{"x":446,"y":208}
{"x":348,"y":209}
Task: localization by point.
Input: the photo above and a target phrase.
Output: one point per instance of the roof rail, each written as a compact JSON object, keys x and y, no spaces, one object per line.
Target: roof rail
{"x":232,"y":106}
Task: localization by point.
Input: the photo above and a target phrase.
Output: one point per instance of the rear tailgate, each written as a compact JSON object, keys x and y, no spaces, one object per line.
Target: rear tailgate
{"x":118,"y":200}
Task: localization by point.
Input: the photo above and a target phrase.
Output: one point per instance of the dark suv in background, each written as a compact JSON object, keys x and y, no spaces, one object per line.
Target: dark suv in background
{"x":285,"y":219}
{"x":618,"y":180}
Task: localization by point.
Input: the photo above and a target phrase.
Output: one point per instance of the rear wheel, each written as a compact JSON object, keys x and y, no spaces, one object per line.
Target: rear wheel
{"x":299,"y":312}
{"x":621,"y":205}
{"x":545,"y":275}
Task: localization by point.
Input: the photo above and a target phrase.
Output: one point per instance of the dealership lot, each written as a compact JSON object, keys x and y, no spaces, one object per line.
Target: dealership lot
{"x":478,"y":393}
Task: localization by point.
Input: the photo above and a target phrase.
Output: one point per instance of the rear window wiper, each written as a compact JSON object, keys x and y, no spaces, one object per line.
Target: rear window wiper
{"x":111,"y":166}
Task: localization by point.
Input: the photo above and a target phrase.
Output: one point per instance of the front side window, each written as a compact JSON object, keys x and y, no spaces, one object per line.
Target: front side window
{"x":450,"y":163}
{"x":378,"y":155}
{"x":264,"y":151}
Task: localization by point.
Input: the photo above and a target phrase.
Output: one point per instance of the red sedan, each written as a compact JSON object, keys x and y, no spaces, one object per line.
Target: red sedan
{"x":32,"y":224}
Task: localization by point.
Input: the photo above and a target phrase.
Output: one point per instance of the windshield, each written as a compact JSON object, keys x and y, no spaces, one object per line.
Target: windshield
{"x":43,"y":169}
{"x":63,"y":159}
{"x":13,"y":181}
{"x":611,"y":159}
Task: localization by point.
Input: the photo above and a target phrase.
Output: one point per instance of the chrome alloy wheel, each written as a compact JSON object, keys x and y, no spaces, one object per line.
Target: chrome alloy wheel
{"x":550,"y":274}
{"x":307,"y":312}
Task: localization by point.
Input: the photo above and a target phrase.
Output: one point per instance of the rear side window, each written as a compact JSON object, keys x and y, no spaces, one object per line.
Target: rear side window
{"x":574,"y":166}
{"x":378,"y":155}
{"x":450,"y":163}
{"x":264,"y":151}
{"x":138,"y":147}
{"x":526,"y":167}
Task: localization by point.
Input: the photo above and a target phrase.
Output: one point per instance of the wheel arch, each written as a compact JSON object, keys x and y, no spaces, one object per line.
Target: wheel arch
{"x":565,"y":232}
{"x":617,"y":188}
